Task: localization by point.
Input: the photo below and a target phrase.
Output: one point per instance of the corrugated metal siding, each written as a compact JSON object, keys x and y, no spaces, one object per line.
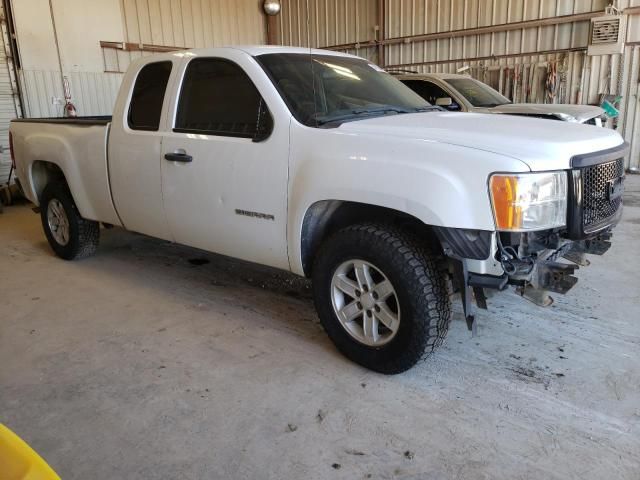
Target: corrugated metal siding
{"x":630,"y":91}
{"x":180,"y":23}
{"x":630,"y":109}
{"x":39,"y":89}
{"x":188,"y":24}
{"x":7,"y":110}
{"x":93,"y":93}
{"x":411,"y":17}
{"x":521,"y":76}
{"x":534,"y":52}
{"x":330,"y":22}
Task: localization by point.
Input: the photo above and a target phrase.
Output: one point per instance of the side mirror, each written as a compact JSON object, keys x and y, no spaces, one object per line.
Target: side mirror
{"x":264,"y":123}
{"x":444,"y":102}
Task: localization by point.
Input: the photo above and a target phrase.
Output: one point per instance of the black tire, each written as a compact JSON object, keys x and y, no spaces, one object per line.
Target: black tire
{"x":5,"y":195}
{"x":420,"y":286}
{"x":84,"y":235}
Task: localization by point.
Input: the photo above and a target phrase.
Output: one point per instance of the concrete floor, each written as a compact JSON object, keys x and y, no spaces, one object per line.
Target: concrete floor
{"x":137,"y":364}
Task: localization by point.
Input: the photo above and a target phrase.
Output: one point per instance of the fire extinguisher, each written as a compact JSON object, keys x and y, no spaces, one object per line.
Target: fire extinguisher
{"x":69,"y":108}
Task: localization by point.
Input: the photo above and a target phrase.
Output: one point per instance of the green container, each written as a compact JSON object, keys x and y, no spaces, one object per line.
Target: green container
{"x":609,"y":109}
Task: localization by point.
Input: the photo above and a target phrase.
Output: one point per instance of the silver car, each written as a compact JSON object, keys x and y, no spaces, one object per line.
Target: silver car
{"x":463,"y":93}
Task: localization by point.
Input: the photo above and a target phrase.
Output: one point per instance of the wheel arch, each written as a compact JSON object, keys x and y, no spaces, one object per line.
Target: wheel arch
{"x":42,"y":173}
{"x":325,"y":217}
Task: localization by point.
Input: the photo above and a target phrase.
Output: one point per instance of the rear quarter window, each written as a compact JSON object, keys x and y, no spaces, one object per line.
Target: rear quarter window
{"x":145,"y":107}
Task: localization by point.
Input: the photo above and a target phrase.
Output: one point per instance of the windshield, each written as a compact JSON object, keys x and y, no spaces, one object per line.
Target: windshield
{"x":477,"y":93}
{"x":327,"y":89}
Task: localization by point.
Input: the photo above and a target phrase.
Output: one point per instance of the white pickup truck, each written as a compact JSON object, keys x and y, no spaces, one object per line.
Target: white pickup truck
{"x":323,"y":164}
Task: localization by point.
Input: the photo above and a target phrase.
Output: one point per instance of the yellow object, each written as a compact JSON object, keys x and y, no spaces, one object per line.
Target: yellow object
{"x":504,"y":193}
{"x":18,"y":461}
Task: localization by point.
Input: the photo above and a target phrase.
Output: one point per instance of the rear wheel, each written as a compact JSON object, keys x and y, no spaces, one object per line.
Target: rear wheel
{"x":70,"y":236}
{"x":381,"y":297}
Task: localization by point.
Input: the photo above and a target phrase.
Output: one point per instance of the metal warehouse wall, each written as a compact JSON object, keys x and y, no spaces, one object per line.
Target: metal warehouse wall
{"x":8,"y":104}
{"x":186,"y":24}
{"x":79,"y":27}
{"x":331,"y":22}
{"x":515,"y":61}
{"x":98,"y":39}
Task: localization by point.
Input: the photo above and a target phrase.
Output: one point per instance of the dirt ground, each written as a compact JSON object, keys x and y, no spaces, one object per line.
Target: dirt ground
{"x":156,"y":361}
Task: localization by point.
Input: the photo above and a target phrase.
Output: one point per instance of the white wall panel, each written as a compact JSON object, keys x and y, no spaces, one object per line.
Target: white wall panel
{"x":80,"y":25}
{"x":330,"y":22}
{"x":416,"y":17}
{"x":194,"y":23}
{"x":93,"y":93}
{"x":39,"y":88}
{"x":94,"y":72}
{"x":186,"y":24}
{"x":35,"y":34}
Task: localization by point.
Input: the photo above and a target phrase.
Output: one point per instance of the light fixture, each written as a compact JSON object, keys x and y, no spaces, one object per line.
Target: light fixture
{"x":271,"y":7}
{"x":529,"y":201}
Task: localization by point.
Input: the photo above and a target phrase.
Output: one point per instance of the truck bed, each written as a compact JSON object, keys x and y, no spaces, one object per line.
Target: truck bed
{"x":78,"y":147}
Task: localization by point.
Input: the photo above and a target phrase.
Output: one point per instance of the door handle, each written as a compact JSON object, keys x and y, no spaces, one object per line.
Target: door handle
{"x":178,"y":157}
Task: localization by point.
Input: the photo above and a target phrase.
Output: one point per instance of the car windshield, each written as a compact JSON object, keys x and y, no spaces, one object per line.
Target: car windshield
{"x":477,"y":93}
{"x":326,"y":90}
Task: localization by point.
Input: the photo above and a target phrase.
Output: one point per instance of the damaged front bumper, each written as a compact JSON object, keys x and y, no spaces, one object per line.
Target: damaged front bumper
{"x":550,"y":274}
{"x":536,"y":263}
{"x":540,"y":262}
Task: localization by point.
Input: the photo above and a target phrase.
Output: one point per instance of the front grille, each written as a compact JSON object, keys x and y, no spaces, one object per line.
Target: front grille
{"x":597,"y":203}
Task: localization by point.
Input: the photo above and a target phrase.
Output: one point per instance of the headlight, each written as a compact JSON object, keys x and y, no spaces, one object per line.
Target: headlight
{"x":529,"y":201}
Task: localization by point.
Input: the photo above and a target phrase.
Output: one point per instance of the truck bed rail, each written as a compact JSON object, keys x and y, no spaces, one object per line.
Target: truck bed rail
{"x":96,"y":120}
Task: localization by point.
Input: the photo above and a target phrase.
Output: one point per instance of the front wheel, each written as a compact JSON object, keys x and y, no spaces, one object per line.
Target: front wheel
{"x":381,"y":297}
{"x":70,"y":236}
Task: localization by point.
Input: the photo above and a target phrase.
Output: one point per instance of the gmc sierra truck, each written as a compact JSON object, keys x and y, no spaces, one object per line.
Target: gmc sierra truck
{"x":323,"y":164}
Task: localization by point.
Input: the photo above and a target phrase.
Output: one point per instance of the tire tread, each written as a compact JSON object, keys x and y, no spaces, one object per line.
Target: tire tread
{"x":429,"y":296}
{"x":84,"y":234}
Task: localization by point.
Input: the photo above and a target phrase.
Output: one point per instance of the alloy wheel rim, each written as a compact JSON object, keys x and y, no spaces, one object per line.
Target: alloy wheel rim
{"x":365,"y":302}
{"x":58,"y":222}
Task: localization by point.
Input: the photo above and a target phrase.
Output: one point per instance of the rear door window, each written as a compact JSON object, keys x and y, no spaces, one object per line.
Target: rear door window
{"x":145,"y":107}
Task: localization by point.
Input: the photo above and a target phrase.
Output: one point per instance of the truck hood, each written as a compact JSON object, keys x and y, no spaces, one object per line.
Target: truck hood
{"x":541,"y":144}
{"x":568,"y":113}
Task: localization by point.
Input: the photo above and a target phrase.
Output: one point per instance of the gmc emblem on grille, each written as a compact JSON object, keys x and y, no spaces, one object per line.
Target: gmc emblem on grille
{"x":616,"y":189}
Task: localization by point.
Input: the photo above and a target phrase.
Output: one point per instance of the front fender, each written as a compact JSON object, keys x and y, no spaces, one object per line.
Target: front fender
{"x":440,"y":184}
